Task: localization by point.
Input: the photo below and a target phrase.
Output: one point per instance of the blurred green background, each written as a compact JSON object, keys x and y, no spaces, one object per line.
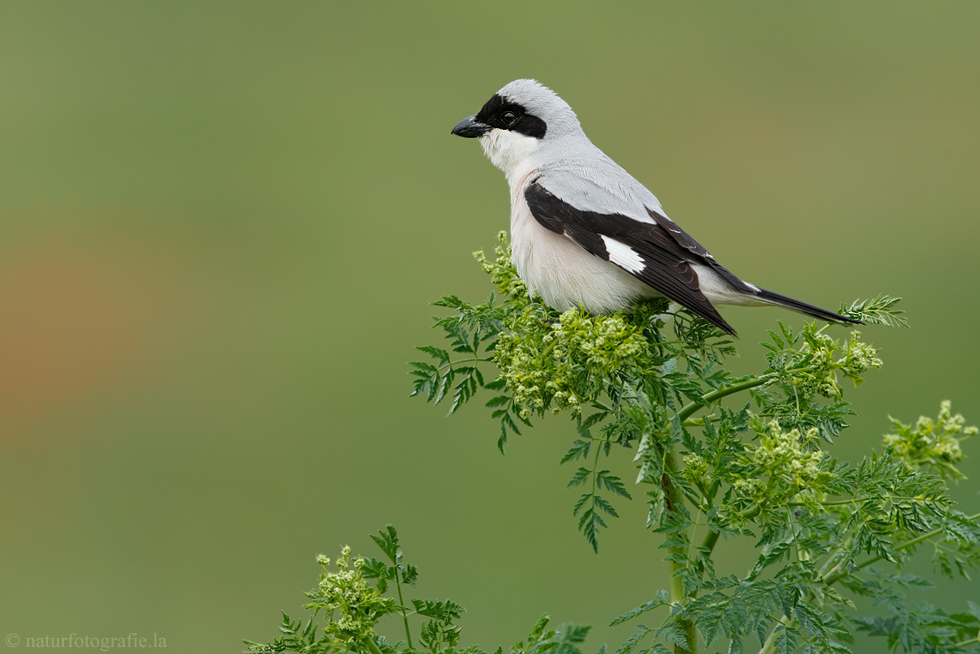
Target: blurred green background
{"x":221,"y":225}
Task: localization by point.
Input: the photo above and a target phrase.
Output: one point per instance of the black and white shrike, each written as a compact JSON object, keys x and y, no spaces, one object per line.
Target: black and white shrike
{"x":583,"y":231}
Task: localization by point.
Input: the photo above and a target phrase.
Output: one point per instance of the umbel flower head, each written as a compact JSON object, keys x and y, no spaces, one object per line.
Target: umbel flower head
{"x":347,"y":595}
{"x":783,"y":467}
{"x":934,"y":444}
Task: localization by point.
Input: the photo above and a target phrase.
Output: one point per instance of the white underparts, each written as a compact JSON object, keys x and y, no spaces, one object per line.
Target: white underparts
{"x":564,"y":273}
{"x":623,"y":255}
{"x":507,"y":150}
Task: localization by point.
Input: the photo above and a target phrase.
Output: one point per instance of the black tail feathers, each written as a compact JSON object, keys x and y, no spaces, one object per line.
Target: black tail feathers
{"x":803,"y":307}
{"x":709,"y":313}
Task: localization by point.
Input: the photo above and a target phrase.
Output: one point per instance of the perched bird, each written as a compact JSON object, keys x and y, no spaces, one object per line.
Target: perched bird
{"x":583,"y":231}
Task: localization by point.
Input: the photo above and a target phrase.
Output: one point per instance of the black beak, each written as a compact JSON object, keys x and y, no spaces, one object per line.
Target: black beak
{"x":470,"y":128}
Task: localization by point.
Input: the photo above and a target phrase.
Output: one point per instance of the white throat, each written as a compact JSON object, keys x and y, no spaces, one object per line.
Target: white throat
{"x":507,"y":150}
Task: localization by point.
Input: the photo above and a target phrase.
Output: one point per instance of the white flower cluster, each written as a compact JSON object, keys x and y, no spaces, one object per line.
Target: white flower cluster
{"x":932,"y":444}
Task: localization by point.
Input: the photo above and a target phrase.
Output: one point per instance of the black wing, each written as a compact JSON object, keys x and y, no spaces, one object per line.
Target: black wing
{"x":666,"y":250}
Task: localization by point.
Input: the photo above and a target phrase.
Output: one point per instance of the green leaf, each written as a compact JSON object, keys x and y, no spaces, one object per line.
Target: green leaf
{"x":580,"y":477}
{"x":634,"y":640}
{"x":601,"y":503}
{"x":581,"y":502}
{"x":877,"y":311}
{"x":387,"y":540}
{"x":672,"y":632}
{"x":613,"y":483}
{"x":410,"y":574}
{"x":444,"y":610}
{"x":438,"y":353}
{"x":786,"y":641}
{"x":375,"y":569}
{"x":580,"y":448}
{"x":640,"y":610}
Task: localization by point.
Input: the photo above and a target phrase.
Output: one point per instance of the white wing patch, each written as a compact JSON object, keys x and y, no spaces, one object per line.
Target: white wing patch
{"x":623,"y":255}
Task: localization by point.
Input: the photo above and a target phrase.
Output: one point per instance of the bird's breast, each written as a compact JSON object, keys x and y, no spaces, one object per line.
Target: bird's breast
{"x":562,"y":272}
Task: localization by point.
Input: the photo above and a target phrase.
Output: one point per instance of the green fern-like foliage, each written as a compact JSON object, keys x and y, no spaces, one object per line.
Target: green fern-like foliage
{"x":348,"y":603}
{"x":716,"y":458}
{"x":650,"y":382}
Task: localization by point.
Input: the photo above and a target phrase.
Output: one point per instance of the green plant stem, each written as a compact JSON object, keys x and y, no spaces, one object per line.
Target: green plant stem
{"x":770,"y":644}
{"x":837,"y":576}
{"x":744,"y":385}
{"x":677,"y":594}
{"x":401,"y":602}
{"x":711,"y":539}
{"x":372,"y":646}
{"x":862,"y":500}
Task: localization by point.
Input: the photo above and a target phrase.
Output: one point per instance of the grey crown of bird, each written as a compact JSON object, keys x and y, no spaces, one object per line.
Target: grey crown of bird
{"x":583,"y":231}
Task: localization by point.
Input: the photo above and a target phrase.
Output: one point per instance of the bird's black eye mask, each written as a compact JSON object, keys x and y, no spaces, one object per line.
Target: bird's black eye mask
{"x":504,"y":114}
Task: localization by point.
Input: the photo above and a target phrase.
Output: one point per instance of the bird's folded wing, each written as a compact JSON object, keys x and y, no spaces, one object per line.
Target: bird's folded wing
{"x":653,"y":250}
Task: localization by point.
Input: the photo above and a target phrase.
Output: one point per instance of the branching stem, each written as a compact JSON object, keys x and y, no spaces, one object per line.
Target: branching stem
{"x":711,"y":539}
{"x":770,"y":644}
{"x":372,"y":645}
{"x":678,"y":595}
{"x":837,"y":576}
{"x":401,"y":602}
{"x":744,"y":385}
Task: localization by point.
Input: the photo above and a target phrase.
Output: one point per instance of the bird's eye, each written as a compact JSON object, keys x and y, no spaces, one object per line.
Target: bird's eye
{"x":510,"y":118}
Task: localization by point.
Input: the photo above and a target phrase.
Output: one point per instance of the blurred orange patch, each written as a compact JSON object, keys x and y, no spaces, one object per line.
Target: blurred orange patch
{"x":71,"y":322}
